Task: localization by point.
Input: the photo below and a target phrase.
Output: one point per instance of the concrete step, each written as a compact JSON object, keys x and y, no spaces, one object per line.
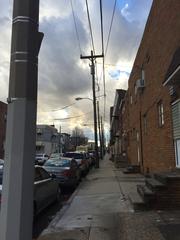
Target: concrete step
{"x":132,"y":169}
{"x":146,"y":194}
{"x":154,"y":184}
{"x":136,"y":201}
{"x":162,"y":178}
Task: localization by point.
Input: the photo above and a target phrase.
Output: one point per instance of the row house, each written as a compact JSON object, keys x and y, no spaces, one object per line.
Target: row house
{"x":151,"y":111}
{"x":116,"y":125}
{"x":150,"y":116}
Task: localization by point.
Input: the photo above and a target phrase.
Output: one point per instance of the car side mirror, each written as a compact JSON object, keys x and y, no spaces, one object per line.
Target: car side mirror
{"x":53,"y":176}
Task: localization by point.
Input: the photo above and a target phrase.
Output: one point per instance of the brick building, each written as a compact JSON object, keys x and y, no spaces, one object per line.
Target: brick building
{"x":116,"y":125}
{"x":3,"y":113}
{"x":151,"y":111}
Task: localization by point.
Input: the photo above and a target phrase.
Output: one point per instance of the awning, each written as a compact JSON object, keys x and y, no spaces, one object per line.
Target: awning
{"x":173,"y":73}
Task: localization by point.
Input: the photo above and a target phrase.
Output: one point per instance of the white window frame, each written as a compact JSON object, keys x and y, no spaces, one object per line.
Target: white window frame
{"x":160,"y":114}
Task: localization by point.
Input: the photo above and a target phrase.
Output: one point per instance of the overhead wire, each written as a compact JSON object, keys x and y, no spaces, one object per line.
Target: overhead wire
{"x":58,"y":109}
{"x":76,"y":29}
{"x":92,"y":40}
{"x":90,"y":26}
{"x":105,"y":54}
{"x":57,"y":119}
{"x":102,"y":43}
{"x":112,"y":19}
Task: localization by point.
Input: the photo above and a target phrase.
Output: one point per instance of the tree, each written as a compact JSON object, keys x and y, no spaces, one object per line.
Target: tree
{"x":78,"y":137}
{"x":77,"y":132}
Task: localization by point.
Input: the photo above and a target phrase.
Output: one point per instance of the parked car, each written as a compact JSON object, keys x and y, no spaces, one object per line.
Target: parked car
{"x":1,"y":163}
{"x":46,"y":189}
{"x":86,"y":157}
{"x":41,"y":158}
{"x":66,"y":170}
{"x":81,"y":160}
{"x":56,"y":155}
{"x":92,"y":155}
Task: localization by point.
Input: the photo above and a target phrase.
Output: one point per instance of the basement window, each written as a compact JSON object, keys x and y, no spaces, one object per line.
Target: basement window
{"x":160,"y":114}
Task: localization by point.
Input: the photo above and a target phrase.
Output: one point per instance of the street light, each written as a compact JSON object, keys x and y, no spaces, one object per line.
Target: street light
{"x":95,"y":126}
{"x":80,"y":98}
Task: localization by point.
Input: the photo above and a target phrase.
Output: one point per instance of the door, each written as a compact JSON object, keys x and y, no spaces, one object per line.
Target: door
{"x":138,"y":149}
{"x":176,"y":130}
{"x":177,"y":151}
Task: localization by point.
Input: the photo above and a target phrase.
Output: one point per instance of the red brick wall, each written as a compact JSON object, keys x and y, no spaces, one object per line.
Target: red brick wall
{"x":3,"y":112}
{"x":160,"y":40}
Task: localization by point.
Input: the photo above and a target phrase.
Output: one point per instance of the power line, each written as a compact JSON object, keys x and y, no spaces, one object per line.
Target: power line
{"x":102,"y":30}
{"x":114,"y":8}
{"x":73,"y":117}
{"x":102,"y":42}
{"x":75,"y":24}
{"x":92,"y":40}
{"x":107,"y":44}
{"x":90,"y":27}
{"x":58,"y":109}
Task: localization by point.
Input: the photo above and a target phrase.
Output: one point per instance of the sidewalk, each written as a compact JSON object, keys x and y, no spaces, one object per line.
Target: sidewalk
{"x":100,"y":209}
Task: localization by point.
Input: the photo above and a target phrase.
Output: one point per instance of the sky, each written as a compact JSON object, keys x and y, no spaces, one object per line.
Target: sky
{"x":63,"y":76}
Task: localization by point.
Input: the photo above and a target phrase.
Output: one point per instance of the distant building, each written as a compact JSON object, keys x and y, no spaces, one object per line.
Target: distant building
{"x":47,"y":139}
{"x":66,"y":142}
{"x":3,"y":116}
{"x":116,"y":124}
{"x":78,"y":140}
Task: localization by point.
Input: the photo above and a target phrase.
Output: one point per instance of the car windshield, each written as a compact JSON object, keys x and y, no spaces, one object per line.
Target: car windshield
{"x":57,"y":163}
{"x":55,"y":155}
{"x":74,"y":155}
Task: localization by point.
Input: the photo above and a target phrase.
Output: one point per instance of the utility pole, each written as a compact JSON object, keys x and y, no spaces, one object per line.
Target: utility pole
{"x":99,"y":126}
{"x":16,"y":216}
{"x":92,"y":57}
{"x":60,"y":140}
{"x":102,"y":134}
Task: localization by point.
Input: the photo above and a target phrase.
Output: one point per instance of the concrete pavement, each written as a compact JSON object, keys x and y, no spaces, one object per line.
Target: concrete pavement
{"x":100,"y":209}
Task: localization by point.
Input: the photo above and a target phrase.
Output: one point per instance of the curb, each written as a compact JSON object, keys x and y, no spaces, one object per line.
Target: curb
{"x":60,"y":214}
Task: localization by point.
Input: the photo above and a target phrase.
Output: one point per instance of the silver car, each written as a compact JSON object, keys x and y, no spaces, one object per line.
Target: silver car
{"x":46,"y":189}
{"x":41,"y":158}
{"x":66,"y":170}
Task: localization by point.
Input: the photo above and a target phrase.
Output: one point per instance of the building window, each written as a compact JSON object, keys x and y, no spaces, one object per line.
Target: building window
{"x":145,"y":123}
{"x":160,"y":114}
{"x":131,"y":99}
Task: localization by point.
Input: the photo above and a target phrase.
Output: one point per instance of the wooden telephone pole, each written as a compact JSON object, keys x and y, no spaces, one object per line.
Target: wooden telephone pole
{"x":92,"y":57}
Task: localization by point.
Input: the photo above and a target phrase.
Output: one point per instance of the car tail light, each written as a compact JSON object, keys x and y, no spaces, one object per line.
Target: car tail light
{"x":83,"y":162}
{"x":67,"y":173}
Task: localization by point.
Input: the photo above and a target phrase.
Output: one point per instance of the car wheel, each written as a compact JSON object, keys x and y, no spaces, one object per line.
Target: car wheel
{"x":58,"y":195}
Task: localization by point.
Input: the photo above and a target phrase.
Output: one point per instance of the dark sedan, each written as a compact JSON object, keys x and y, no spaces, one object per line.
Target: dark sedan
{"x":66,"y":170}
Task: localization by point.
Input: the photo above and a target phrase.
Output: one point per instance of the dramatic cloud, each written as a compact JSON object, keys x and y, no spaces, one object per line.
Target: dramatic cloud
{"x":62,"y":75}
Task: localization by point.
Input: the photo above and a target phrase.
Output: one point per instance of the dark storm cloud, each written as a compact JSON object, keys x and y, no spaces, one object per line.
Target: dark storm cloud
{"x":62,"y":75}
{"x":60,"y":72}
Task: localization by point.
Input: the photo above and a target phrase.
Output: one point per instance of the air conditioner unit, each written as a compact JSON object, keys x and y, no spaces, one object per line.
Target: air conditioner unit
{"x":140,"y":84}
